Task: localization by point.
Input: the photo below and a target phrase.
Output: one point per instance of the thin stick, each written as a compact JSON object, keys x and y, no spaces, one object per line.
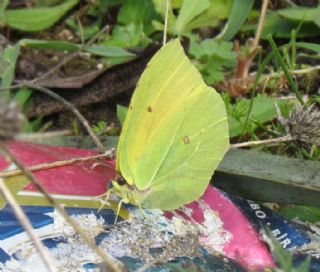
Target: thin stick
{"x":44,"y":166}
{"x":166,"y":24}
{"x":296,"y":72}
{"x":73,"y":109}
{"x":43,"y":135}
{"x":261,"y":142}
{"x":264,"y":10}
{"x":103,"y":255}
{"x":25,"y":223}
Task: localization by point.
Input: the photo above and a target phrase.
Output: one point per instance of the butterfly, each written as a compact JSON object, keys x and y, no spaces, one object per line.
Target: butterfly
{"x":174,"y":135}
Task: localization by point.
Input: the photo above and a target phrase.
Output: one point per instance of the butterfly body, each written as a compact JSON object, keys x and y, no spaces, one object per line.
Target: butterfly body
{"x":174,"y":135}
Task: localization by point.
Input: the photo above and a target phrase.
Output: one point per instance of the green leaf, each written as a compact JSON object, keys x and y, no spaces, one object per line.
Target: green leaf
{"x":263,"y":110}
{"x":204,"y":14}
{"x":122,"y":112}
{"x":37,"y":18}
{"x":99,"y":50}
{"x":108,"y":51}
{"x":22,"y":96}
{"x":10,"y":56}
{"x":302,"y":14}
{"x":138,"y":12}
{"x":239,"y":13}
{"x":53,"y":45}
{"x":303,"y":213}
{"x":210,"y":48}
{"x":188,"y":12}
{"x":311,"y":46}
{"x":127,"y":36}
{"x":212,"y":57}
{"x":285,"y":260}
{"x":3,"y":6}
{"x":281,"y":27}
{"x":87,"y":31}
{"x":160,"y":7}
{"x":218,"y":10}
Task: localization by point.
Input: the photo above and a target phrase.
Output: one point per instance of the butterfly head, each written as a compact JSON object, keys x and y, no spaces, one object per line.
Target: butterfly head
{"x":129,"y":194}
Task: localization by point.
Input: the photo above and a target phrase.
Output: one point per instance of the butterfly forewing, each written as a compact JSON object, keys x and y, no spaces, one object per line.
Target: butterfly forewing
{"x":175,"y":132}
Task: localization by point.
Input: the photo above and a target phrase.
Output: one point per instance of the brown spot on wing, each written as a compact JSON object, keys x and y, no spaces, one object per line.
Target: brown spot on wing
{"x":149,"y":109}
{"x":186,"y":140}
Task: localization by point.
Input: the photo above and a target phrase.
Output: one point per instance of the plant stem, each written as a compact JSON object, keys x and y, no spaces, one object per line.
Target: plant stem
{"x":260,"y":142}
{"x":44,"y":166}
{"x":166,"y":23}
{"x":264,"y":10}
{"x":285,"y":69}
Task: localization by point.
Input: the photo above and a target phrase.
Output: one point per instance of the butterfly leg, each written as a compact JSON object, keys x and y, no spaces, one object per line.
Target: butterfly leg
{"x":142,"y":210}
{"x":119,"y":208}
{"x":105,"y":199}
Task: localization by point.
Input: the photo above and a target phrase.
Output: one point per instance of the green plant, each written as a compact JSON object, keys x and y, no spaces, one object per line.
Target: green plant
{"x":34,"y":19}
{"x":206,"y":13}
{"x":212,"y":58}
{"x":263,"y":110}
{"x":284,"y":259}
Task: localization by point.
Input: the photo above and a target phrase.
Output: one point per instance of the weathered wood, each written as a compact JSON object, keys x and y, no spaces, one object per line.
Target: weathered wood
{"x":269,"y":178}
{"x":251,"y":174}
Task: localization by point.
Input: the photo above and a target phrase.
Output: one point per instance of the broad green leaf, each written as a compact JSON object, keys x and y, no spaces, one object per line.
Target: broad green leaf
{"x":36,"y":19}
{"x":302,"y":14}
{"x":239,"y":13}
{"x":100,"y":50}
{"x":188,"y":12}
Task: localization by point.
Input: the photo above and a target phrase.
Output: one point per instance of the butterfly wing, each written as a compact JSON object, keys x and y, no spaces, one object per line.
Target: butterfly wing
{"x":175,"y":132}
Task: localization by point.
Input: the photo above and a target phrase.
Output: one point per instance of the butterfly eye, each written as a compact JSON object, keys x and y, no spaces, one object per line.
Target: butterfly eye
{"x":121,"y":181}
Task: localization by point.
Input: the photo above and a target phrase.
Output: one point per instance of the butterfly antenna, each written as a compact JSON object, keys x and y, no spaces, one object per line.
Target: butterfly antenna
{"x":142,"y":210}
{"x":118,"y":210}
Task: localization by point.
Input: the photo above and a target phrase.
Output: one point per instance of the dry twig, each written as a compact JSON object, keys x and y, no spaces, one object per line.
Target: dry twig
{"x":44,"y":166}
